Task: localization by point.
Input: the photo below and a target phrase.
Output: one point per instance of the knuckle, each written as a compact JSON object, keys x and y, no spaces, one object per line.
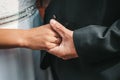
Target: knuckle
{"x":56,"y":40}
{"x":47,"y":45}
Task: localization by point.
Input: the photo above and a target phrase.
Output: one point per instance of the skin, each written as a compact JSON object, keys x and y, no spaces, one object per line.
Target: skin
{"x":40,"y":38}
{"x":66,"y":49}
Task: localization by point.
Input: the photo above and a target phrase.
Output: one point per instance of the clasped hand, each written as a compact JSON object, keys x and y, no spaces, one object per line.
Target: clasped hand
{"x":66,"y":49}
{"x":54,"y":38}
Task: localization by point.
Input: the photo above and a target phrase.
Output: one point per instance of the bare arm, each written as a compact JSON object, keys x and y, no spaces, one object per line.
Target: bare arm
{"x":10,"y":38}
{"x":36,"y":38}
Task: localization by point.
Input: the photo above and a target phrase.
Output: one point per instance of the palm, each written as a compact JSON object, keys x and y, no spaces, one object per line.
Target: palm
{"x":61,"y":49}
{"x":66,"y":49}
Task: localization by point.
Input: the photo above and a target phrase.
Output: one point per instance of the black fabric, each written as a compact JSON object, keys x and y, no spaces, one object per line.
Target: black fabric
{"x":96,"y":37}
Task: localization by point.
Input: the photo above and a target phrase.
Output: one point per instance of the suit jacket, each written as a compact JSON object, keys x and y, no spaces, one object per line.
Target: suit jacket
{"x":96,"y":38}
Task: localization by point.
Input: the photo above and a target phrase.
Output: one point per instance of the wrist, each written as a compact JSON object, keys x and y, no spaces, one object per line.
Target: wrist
{"x":22,"y":41}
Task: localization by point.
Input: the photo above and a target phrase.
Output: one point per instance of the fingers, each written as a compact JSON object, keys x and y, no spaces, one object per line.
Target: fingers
{"x":53,"y":42}
{"x":56,"y":40}
{"x":50,"y":46}
{"x":55,"y":34}
{"x":50,"y":30}
{"x":60,"y":29}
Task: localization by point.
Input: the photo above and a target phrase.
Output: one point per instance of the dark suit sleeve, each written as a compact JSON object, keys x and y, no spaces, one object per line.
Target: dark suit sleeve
{"x":95,"y":43}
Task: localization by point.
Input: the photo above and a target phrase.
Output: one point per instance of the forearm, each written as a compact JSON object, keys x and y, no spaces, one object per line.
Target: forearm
{"x":39,"y":38}
{"x":11,"y":38}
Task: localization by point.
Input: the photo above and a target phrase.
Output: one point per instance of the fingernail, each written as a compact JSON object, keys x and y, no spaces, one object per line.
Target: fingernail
{"x":52,"y":21}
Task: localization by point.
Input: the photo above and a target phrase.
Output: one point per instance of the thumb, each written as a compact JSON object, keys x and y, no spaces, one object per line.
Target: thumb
{"x":59,"y":28}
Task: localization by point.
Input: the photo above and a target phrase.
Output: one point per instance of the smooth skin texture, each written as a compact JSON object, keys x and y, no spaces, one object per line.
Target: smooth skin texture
{"x":66,"y":49}
{"x":40,"y":38}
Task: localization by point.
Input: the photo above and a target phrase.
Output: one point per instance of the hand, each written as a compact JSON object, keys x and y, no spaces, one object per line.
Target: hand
{"x":42,"y":38}
{"x":66,"y":49}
